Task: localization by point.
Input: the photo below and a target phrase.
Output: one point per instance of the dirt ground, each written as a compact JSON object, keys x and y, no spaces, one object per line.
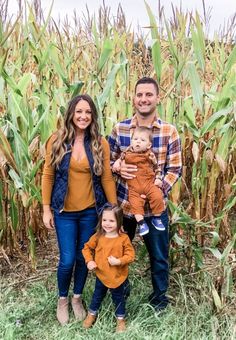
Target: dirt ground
{"x":17,"y":270}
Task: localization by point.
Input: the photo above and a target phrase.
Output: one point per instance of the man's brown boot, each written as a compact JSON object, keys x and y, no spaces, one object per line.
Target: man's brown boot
{"x":62,"y":311}
{"x":78,"y":308}
{"x":89,"y":321}
{"x":120,"y":326}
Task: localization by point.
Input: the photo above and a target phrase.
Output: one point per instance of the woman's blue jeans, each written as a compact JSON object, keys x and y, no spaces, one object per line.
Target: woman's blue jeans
{"x":73,"y":230}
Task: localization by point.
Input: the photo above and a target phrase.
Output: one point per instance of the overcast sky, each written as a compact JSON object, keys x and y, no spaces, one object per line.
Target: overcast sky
{"x":135,"y":10}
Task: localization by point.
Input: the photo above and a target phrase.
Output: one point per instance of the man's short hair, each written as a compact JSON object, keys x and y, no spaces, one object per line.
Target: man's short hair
{"x":147,"y":80}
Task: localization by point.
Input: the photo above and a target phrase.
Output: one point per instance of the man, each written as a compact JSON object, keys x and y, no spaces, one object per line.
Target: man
{"x":166,"y":146}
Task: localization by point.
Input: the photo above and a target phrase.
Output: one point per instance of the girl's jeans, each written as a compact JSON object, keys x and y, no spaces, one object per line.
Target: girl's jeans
{"x":118,"y":298}
{"x":73,"y":230}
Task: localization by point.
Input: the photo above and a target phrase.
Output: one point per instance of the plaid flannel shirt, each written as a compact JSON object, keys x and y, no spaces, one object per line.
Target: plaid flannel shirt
{"x":166,"y":147}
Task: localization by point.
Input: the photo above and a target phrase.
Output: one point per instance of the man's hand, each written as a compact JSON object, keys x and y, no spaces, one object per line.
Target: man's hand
{"x":127,"y":171}
{"x":158,"y":182}
{"x":152,"y":157}
{"x":116,"y":166}
{"x":91,"y":265}
{"x":113,"y":261}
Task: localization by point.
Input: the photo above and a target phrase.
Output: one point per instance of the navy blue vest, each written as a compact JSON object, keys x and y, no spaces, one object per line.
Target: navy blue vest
{"x":59,"y":190}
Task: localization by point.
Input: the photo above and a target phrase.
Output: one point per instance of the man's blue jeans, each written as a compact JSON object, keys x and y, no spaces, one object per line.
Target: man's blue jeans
{"x":73,"y":230}
{"x":118,"y":298}
{"x":157,"y":243}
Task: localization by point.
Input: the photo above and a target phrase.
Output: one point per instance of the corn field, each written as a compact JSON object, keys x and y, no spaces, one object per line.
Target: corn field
{"x":44,"y":63}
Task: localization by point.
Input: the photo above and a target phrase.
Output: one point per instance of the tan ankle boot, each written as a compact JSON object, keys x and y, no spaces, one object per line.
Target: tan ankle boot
{"x":62,"y":311}
{"x":78,"y":308}
{"x":120,"y":326}
{"x":89,"y":321}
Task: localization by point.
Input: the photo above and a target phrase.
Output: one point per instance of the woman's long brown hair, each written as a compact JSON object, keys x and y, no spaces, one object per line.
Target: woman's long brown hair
{"x":66,"y":135}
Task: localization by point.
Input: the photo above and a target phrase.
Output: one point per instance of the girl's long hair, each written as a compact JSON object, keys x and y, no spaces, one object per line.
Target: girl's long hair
{"x":66,"y":135}
{"x":118,"y":212}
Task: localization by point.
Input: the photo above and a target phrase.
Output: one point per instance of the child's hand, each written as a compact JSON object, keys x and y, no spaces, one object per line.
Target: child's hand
{"x":113,"y":261}
{"x":152,"y":157}
{"x":116,"y":165}
{"x":158,"y":182}
{"x":91,"y":265}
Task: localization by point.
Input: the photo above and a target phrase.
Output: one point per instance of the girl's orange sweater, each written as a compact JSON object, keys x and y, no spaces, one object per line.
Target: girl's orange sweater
{"x":99,"y":248}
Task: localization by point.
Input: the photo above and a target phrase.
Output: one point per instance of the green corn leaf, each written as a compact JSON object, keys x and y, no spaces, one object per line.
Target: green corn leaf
{"x":76,"y":88}
{"x":189,"y":113}
{"x":11,"y":82}
{"x":230,"y":203}
{"x":24,"y":83}
{"x":18,"y":111}
{"x":35,"y":169}
{"x":227,"y":250}
{"x":101,"y":99}
{"x":198,"y":256}
{"x":156,"y":58}
{"x":107,"y":49}
{"x":215,"y":119}
{"x":13,"y":215}
{"x":230,"y":61}
{"x":198,"y":40}
{"x":178,"y":240}
{"x":215,"y":239}
{"x":197,"y":91}
{"x":156,"y":44}
{"x":214,"y":252}
{"x":16,"y":179}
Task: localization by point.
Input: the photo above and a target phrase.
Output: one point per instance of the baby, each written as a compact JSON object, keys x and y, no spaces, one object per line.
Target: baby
{"x":142,"y":187}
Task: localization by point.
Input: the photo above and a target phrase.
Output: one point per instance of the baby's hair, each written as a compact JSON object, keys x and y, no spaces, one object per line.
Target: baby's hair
{"x":144,"y":129}
{"x":118,"y":212}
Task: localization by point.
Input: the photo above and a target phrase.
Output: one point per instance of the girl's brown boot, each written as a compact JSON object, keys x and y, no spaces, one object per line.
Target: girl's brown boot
{"x":89,"y":321}
{"x":120,"y":326}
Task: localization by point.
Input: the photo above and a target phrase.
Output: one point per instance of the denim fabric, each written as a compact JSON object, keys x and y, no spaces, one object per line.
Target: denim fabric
{"x":73,"y":230}
{"x":118,"y":298}
{"x":129,"y":225}
{"x":157,"y":243}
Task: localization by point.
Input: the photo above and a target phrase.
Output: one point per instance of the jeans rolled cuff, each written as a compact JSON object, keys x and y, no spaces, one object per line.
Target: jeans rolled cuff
{"x":120,"y":316}
{"x":93,"y":312}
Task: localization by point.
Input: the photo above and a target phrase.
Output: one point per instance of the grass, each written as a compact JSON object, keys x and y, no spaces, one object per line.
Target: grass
{"x":28,"y":312}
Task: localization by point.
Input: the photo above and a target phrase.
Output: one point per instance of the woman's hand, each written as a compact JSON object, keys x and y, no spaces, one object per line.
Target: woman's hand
{"x":91,"y":265}
{"x":127,"y":171}
{"x":48,"y":219}
{"x":113,"y":261}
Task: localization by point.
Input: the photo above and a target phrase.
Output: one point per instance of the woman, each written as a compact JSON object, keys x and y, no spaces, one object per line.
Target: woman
{"x":76,"y":183}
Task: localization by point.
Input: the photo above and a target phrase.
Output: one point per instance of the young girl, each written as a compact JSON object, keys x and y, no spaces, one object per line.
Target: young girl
{"x":109,"y":252}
